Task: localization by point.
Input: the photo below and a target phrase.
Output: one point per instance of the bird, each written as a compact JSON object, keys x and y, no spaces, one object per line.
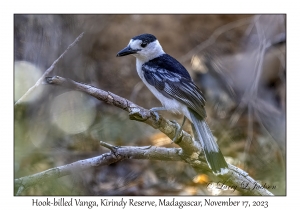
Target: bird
{"x":173,"y":86}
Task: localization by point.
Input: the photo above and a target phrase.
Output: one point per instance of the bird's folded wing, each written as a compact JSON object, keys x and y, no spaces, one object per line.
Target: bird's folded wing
{"x":174,"y":85}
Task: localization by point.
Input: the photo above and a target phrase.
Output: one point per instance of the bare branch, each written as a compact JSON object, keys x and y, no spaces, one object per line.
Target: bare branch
{"x":190,"y":152}
{"x":119,"y":153}
{"x":236,"y":176}
{"x":48,"y":71}
{"x":186,"y":142}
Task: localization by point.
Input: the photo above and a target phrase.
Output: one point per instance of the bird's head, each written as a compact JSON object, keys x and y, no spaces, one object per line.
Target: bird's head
{"x":144,"y":47}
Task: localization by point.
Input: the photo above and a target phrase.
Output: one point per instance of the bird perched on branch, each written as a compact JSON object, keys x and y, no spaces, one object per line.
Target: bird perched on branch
{"x":171,"y":83}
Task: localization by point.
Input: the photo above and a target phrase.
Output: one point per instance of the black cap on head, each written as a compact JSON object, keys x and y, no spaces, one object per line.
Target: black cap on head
{"x":148,"y":38}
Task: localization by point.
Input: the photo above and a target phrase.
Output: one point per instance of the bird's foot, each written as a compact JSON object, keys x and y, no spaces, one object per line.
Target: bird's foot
{"x":156,"y":115}
{"x":154,"y":112}
{"x":177,"y":132}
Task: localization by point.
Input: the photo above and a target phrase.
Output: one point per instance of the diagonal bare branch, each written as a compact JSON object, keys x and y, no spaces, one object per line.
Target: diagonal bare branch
{"x":190,"y":152}
{"x":48,"y":71}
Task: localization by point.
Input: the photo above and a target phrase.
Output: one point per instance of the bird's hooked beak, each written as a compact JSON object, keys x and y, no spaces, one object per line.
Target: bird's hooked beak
{"x":127,"y":51}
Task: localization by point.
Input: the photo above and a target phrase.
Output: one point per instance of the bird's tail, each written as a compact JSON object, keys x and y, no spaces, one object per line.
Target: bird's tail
{"x":213,"y":154}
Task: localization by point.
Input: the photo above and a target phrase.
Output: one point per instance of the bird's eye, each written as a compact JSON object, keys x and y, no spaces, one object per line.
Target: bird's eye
{"x":144,"y":44}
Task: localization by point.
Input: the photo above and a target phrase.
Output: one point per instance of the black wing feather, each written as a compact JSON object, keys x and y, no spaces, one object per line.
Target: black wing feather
{"x":174,"y":81}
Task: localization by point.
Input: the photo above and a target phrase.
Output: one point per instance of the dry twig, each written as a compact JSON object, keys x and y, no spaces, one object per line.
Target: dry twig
{"x":48,"y":71}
